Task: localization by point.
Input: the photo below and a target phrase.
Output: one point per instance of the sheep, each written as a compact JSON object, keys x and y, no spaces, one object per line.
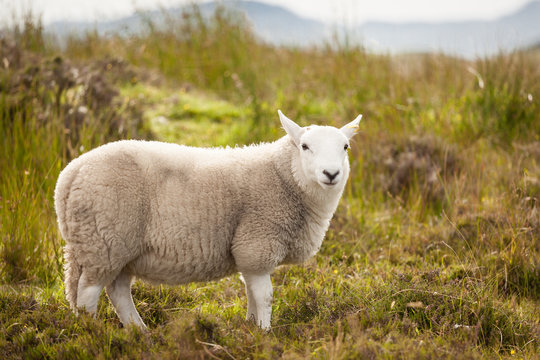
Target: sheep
{"x":173,"y":214}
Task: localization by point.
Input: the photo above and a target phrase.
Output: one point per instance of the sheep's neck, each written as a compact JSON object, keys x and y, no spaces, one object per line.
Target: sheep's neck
{"x":318,"y":205}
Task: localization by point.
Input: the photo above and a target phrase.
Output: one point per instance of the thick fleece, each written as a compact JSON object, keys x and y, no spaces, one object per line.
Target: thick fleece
{"x":176,"y":214}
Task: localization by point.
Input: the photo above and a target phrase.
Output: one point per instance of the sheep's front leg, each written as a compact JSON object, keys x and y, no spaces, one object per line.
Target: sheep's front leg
{"x":259,"y":295}
{"x":251,"y":307}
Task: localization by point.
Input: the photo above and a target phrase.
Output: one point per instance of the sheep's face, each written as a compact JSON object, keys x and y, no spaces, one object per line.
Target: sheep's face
{"x":323,"y":155}
{"x":322,"y":151}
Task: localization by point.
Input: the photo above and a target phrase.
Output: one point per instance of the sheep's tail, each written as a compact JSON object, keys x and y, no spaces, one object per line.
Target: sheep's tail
{"x":72,"y":269}
{"x":72,"y":274}
{"x":61,"y":195}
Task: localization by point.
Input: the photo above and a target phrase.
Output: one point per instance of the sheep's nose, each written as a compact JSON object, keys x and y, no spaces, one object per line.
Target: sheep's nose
{"x":329,"y":175}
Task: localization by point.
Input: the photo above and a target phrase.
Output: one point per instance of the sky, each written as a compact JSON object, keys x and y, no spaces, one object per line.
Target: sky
{"x":349,"y":12}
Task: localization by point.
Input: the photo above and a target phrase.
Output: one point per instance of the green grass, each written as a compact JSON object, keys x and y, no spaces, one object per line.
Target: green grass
{"x":191,"y":117}
{"x":434,"y":251}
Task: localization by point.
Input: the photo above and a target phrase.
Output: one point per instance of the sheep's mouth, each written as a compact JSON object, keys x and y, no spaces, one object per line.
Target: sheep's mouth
{"x":330,"y":183}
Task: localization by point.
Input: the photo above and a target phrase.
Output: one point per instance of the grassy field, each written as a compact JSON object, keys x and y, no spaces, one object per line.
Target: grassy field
{"x":434,"y":251}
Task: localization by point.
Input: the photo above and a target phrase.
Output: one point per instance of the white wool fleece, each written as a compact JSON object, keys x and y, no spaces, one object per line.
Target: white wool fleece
{"x":175,"y":214}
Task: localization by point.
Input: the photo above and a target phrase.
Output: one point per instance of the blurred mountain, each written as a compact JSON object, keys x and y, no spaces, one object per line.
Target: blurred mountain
{"x":273,"y":24}
{"x":467,"y":38}
{"x":280,"y":26}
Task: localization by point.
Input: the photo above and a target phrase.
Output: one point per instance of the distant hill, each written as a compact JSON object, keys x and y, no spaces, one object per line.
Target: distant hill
{"x":280,"y":26}
{"x":273,"y":24}
{"x":468,"y":38}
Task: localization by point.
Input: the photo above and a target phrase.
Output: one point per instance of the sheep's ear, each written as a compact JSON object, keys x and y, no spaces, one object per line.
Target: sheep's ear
{"x":351,"y":128}
{"x":294,"y":131}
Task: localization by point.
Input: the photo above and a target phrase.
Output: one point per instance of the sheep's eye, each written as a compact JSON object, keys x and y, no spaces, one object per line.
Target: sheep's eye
{"x":345,"y":147}
{"x":305,"y":147}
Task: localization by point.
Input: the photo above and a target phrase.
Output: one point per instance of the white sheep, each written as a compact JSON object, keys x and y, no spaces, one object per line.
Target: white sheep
{"x":167,"y":213}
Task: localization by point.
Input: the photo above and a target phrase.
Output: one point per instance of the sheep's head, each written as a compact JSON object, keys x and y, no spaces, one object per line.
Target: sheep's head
{"x":322,"y":151}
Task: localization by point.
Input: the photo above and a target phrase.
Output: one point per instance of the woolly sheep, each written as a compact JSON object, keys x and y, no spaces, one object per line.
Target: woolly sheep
{"x":173,"y":214}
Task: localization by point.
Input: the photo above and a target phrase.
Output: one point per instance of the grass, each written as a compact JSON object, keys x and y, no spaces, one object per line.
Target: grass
{"x":434,"y":251}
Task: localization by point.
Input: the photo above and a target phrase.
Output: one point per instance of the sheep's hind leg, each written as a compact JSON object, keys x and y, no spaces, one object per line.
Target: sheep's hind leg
{"x":119,"y":292}
{"x":88,"y":294}
{"x":259,"y":293}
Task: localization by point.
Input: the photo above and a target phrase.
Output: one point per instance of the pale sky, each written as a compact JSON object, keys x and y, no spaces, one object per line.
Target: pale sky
{"x":349,"y":12}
